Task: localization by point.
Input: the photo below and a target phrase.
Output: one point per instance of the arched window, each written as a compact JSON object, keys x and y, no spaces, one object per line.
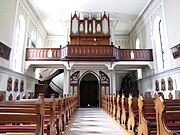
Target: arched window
{"x":159,"y":43}
{"x":137,"y":43}
{"x":18,"y":46}
{"x":139,"y":71}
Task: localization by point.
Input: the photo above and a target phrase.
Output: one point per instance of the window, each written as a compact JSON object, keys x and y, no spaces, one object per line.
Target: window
{"x":139,"y":71}
{"x":159,"y":43}
{"x":137,"y":43}
{"x":18,"y":46}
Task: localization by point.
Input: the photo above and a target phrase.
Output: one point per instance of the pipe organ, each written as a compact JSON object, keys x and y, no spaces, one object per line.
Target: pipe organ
{"x":90,"y":29}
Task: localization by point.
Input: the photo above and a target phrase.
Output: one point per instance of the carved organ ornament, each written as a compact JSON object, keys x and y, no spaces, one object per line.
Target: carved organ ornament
{"x":88,"y":28}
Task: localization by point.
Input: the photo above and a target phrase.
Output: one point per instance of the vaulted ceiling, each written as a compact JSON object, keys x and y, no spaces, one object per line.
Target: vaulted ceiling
{"x":55,"y":14}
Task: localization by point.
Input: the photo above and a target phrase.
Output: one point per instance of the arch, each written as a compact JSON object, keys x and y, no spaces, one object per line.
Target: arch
{"x":89,"y":89}
{"x":89,"y":71}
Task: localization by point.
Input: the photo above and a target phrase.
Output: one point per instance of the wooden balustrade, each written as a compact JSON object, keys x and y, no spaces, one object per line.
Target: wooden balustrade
{"x":89,"y":53}
{"x":43,"y":54}
{"x":136,"y":54}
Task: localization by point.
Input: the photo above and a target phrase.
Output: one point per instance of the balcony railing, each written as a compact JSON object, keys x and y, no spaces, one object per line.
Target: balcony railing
{"x":89,"y":53}
{"x":43,"y":54}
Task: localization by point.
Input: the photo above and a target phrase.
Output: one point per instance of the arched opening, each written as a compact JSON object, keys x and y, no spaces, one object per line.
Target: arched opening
{"x":89,"y":91}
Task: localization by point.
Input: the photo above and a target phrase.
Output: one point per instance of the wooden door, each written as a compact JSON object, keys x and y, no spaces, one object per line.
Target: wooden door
{"x":89,"y":93}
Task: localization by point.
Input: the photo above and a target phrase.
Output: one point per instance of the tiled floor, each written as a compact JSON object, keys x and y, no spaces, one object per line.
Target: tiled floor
{"x":93,"y":121}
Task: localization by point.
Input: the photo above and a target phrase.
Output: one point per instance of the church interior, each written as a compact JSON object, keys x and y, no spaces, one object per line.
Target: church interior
{"x":64,"y":60}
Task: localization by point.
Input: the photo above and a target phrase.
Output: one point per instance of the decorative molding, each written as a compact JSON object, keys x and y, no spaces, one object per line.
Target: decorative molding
{"x":16,"y":85}
{"x":12,"y":73}
{"x":21,"y":86}
{"x":4,"y":51}
{"x":161,"y":74}
{"x":163,"y":85}
{"x":104,"y":78}
{"x":9,"y":84}
{"x":156,"y":85}
{"x":75,"y":78}
{"x":170,"y":83}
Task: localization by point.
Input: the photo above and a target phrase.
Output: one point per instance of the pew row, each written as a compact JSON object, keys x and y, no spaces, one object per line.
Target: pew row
{"x":56,"y":115}
{"x":167,"y":116}
{"x":125,"y":112}
{"x":32,"y":118}
{"x":133,"y":119}
{"x":147,"y":116}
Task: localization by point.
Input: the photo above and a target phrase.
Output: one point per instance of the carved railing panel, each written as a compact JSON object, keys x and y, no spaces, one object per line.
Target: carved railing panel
{"x":100,"y":50}
{"x":135,"y":55}
{"x":89,"y":53}
{"x":43,"y":54}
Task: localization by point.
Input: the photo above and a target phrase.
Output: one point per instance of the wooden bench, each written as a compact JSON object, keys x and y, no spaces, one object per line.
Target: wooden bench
{"x":24,"y":115}
{"x":167,"y":116}
{"x":119,"y":109}
{"x":109,"y":104}
{"x":49,"y":116}
{"x":28,"y":105}
{"x":104,"y":102}
{"x":114,"y":114}
{"x":133,"y":115}
{"x":65,"y":109}
{"x":125,"y":112}
{"x":147,"y":116}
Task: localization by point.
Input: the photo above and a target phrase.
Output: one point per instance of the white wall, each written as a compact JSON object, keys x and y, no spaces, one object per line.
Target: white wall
{"x":168,"y":11}
{"x":55,"y":41}
{"x":7,"y":13}
{"x":10,"y":10}
{"x":29,"y":82}
{"x":6,"y":25}
{"x":123,"y":41}
{"x":172,"y":11}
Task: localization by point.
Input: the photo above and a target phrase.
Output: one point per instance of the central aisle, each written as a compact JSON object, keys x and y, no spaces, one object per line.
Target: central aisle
{"x":93,"y":121}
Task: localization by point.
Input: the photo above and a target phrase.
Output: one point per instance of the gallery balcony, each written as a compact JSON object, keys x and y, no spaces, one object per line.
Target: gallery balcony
{"x":88,"y":53}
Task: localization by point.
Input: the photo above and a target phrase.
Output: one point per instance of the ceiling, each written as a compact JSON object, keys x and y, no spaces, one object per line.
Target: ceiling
{"x":55,"y":14}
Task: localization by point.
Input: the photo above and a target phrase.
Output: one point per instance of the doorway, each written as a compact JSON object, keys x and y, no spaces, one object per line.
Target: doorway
{"x":89,"y":91}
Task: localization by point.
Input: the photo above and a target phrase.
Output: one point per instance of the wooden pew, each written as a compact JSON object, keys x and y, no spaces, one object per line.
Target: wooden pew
{"x":65,"y":109}
{"x":167,"y":116}
{"x":29,"y":104}
{"x":114,"y":113}
{"x":58,"y":113}
{"x":104,"y":102}
{"x":111,"y":105}
{"x":125,"y":112}
{"x":21,"y":114}
{"x":133,"y":115}
{"x":119,"y":109}
{"x":147,"y":116}
{"x":49,"y":116}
